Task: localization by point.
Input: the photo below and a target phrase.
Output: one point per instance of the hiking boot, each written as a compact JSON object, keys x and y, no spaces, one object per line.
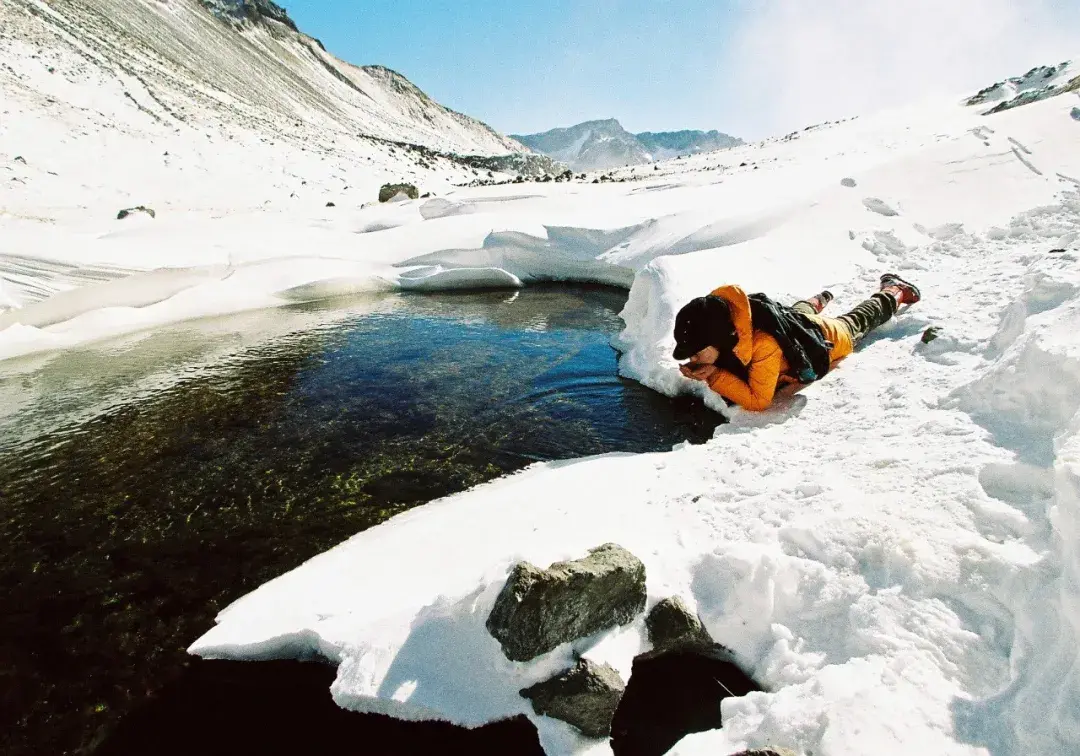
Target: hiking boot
{"x":820,"y":301}
{"x":905,"y":293}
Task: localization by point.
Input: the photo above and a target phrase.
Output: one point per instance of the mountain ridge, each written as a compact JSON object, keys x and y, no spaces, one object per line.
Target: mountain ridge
{"x":603,"y":144}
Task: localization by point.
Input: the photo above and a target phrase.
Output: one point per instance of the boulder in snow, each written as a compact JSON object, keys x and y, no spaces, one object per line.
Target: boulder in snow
{"x":585,"y":697}
{"x":539,"y":610}
{"x":389,"y":192}
{"x":331,"y":204}
{"x":673,"y":693}
{"x":20,"y":159}
{"x":767,"y":752}
{"x":671,"y":623}
{"x":132,"y":210}
{"x":848,"y":182}
{"x":1075,"y":113}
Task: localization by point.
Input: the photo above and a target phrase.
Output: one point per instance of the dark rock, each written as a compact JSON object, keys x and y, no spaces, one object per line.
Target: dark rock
{"x":673,"y":693}
{"x":585,"y":697}
{"x":767,"y":752}
{"x":671,"y":624}
{"x":389,"y":191}
{"x":330,"y":204}
{"x":1075,"y":113}
{"x":425,"y":195}
{"x":131,"y":210}
{"x":20,"y":159}
{"x":539,"y":610}
{"x":930,"y":334}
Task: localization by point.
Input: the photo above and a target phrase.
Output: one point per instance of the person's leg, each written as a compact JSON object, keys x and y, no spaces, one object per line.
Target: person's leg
{"x":879,"y":309}
{"x":814,"y":305}
{"x":875,"y":311}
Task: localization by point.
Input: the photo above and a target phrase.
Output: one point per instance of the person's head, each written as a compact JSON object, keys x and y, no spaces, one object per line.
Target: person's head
{"x":704,"y":330}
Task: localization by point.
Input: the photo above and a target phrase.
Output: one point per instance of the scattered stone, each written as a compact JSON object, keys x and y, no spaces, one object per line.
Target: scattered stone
{"x":330,"y":204}
{"x":767,"y":752}
{"x":848,"y":182}
{"x":672,"y":694}
{"x":1075,"y":113}
{"x":131,"y":210}
{"x":585,"y":697}
{"x":671,"y":623}
{"x":930,"y":334}
{"x":425,"y":195}
{"x":743,"y":165}
{"x":20,"y":159}
{"x":388,"y":191}
{"x":539,"y":610}
{"x":1056,"y":251}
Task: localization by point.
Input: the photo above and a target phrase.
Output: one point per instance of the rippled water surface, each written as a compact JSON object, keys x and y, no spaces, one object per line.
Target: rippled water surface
{"x":146,"y":483}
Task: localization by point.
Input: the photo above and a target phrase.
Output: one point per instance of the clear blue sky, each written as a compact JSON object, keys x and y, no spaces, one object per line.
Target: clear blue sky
{"x":747,"y":67}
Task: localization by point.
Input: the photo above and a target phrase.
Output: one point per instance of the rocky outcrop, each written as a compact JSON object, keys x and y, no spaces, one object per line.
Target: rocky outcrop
{"x":539,"y":610}
{"x":132,"y":210}
{"x":671,"y":624}
{"x":388,"y":191}
{"x":252,"y":11}
{"x":673,"y":693}
{"x":585,"y":697}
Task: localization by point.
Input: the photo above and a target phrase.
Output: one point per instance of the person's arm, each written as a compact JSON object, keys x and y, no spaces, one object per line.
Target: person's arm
{"x":764,"y":372}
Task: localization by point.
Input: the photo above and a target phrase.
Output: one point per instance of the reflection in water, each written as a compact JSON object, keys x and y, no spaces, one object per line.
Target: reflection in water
{"x":146,"y":483}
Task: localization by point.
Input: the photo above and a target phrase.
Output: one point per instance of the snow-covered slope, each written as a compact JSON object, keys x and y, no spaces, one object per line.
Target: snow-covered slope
{"x":181,"y":63}
{"x":600,"y":145}
{"x":112,"y":103}
{"x":892,"y":551}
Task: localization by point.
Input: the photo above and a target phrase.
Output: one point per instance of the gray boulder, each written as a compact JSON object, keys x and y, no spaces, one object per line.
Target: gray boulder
{"x":585,"y":697}
{"x":848,"y":182}
{"x":539,"y":610}
{"x":671,"y":624}
{"x":388,"y":191}
{"x":767,"y":752}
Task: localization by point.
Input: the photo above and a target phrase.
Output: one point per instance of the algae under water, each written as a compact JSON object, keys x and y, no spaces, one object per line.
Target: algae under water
{"x":146,"y":483}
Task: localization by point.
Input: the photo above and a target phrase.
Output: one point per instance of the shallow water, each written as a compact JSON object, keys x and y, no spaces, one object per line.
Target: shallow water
{"x":148,"y":482}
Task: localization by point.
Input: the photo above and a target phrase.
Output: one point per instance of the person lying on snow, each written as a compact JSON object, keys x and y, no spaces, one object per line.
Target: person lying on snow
{"x":744,"y":346}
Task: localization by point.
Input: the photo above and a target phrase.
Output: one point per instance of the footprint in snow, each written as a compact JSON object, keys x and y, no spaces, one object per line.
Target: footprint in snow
{"x":878,"y":206}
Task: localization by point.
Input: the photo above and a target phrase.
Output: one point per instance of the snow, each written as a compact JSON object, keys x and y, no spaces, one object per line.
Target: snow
{"x":892,"y":551}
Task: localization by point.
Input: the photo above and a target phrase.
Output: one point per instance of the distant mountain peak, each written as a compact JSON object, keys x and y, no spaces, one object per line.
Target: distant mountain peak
{"x":604,"y":143}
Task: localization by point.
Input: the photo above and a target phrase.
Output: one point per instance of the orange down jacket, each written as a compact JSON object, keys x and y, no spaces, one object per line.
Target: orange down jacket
{"x":762,"y":354}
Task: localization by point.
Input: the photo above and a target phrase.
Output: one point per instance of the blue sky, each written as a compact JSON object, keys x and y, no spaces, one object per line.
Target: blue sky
{"x":747,"y":67}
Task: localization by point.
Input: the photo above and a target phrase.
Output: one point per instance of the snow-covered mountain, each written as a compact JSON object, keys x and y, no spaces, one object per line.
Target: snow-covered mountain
{"x":101,"y":80}
{"x":1037,"y":84}
{"x":600,"y":145}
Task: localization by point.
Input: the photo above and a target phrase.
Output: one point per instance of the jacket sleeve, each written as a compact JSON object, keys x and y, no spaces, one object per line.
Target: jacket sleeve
{"x":757,"y":394}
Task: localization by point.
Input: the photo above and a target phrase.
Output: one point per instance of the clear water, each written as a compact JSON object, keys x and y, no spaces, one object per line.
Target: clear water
{"x":146,"y":483}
